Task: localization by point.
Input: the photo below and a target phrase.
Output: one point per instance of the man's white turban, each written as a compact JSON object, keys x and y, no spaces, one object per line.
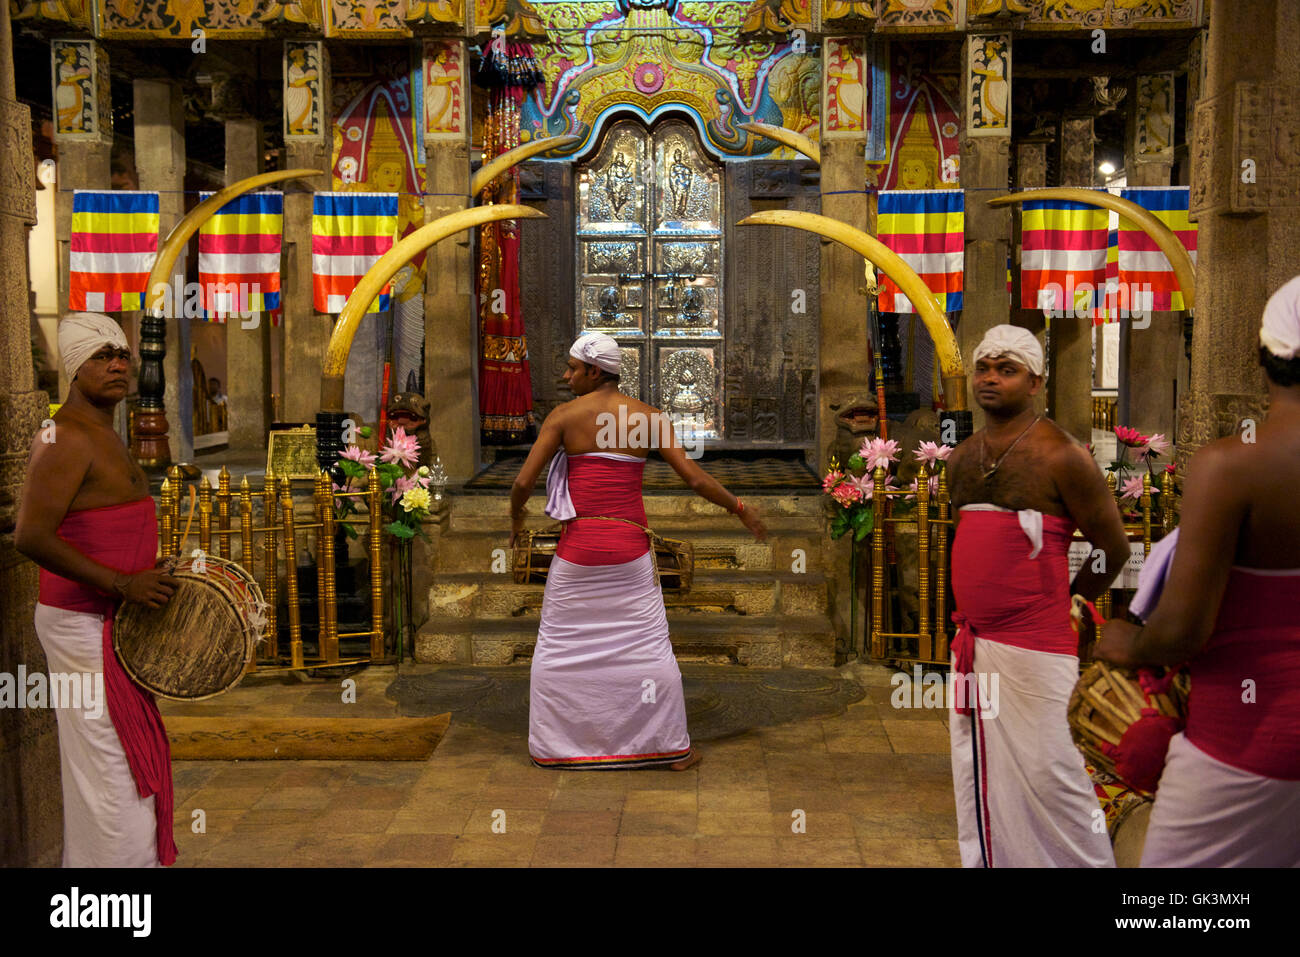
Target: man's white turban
{"x":82,"y":334}
{"x":1014,"y":343}
{"x":1280,"y":331}
{"x":598,"y":349}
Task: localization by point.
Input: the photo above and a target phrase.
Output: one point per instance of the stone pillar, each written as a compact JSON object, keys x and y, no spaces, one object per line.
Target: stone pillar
{"x":306,"y":332}
{"x":1245,"y":198}
{"x":1070,"y":383}
{"x":450,"y":319}
{"x":30,"y":796}
{"x":248,"y":350}
{"x":985,"y":172}
{"x":160,"y":163}
{"x":1153,"y":366}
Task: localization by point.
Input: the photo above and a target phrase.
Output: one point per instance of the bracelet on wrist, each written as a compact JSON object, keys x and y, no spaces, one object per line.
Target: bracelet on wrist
{"x":740,"y":507}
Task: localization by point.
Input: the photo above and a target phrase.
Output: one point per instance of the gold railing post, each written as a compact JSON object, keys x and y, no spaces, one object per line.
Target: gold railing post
{"x":925,"y":642}
{"x":165,"y":519}
{"x":878,"y":565}
{"x":272,"y":564}
{"x":941,"y":569}
{"x":374,"y":497}
{"x":205,"y":514}
{"x":1146,"y":514}
{"x":223,"y":513}
{"x":329,"y":632}
{"x":174,"y":476}
{"x":247,"y":557}
{"x":291,"y":574}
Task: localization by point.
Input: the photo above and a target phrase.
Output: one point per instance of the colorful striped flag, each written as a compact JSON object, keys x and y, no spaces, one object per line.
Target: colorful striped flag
{"x":1113,"y":306}
{"x":111,"y":250}
{"x":1062,"y":256}
{"x":349,"y":232}
{"x":1142,"y":266}
{"x":927,"y":228}
{"x":239,"y":256}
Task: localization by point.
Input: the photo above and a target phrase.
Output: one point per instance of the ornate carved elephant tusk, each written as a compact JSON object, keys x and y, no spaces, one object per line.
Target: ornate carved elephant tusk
{"x":879,"y":255}
{"x":787,"y":137}
{"x":340,"y":344}
{"x":495,"y":167}
{"x":189,"y":225}
{"x":1164,"y":237}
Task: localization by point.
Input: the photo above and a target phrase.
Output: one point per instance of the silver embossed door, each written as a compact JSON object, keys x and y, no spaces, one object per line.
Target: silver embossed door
{"x":649,"y":267}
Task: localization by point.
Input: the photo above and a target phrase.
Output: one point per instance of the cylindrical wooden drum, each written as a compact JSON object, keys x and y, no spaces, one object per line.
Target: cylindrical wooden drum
{"x":1105,"y":704}
{"x":1127,"y":813}
{"x":199,"y":643}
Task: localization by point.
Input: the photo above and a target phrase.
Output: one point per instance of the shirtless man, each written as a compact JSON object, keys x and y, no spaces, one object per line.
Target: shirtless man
{"x":603,"y":638}
{"x":1020,"y":486}
{"x":88,"y":521}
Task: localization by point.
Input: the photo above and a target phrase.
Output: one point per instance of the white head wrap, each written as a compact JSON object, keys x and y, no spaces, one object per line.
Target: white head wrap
{"x":1014,"y":343}
{"x":1280,"y":331}
{"x":599,"y":350}
{"x":82,"y":334}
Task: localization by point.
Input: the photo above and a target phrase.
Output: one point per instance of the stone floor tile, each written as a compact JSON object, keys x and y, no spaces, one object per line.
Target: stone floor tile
{"x":218,"y":798}
{"x":588,"y":801}
{"x":481,"y":849}
{"x":735,"y":823}
{"x":804,"y":851}
{"x":415,"y":850}
{"x":507,"y":820}
{"x":679,"y":800}
{"x":661,"y":850}
{"x":429,"y":821}
{"x":733,"y":800}
{"x":511,"y":796}
{"x":575,"y":850}
{"x":744,"y":851}
{"x":656,"y":823}
{"x":342,"y":820}
{"x":579,"y":822}
{"x":371,"y":796}
{"x":909,"y":852}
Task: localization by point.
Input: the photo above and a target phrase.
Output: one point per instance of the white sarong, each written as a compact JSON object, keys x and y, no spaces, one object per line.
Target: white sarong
{"x":1210,"y":814}
{"x":105,"y":821}
{"x":605,"y":691}
{"x":1023,"y":795}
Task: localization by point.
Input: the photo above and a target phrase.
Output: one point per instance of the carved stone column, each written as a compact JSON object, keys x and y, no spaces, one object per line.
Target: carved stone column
{"x":985,"y":168}
{"x":450,"y":360}
{"x":1070,"y":382}
{"x":160,"y":163}
{"x":1246,"y":200}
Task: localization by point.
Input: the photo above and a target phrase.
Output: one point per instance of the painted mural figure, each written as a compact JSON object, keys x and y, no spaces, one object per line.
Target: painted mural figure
{"x":995,"y":90}
{"x":70,"y":95}
{"x":679,"y":183}
{"x":618,"y":183}
{"x":439,"y":94}
{"x":300,"y":96}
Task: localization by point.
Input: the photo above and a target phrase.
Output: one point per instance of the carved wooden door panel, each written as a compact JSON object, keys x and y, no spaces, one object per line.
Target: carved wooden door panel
{"x":649,"y":267}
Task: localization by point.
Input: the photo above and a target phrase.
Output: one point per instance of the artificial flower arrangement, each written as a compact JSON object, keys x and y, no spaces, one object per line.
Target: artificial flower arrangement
{"x":409,"y":498}
{"x":852,"y":487}
{"x":1146,"y":449}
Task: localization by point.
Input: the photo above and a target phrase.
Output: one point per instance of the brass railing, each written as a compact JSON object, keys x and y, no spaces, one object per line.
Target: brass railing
{"x":934,"y":523}
{"x":1104,"y":410}
{"x":279,"y":532}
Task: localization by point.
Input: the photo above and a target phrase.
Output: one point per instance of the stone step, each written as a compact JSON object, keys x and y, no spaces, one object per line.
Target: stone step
{"x":759,"y":641}
{"x":714,"y":591}
{"x":736,"y":549}
{"x":686,"y":505}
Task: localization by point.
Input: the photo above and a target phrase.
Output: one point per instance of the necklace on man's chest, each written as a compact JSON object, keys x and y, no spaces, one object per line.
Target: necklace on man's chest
{"x":984,"y":448}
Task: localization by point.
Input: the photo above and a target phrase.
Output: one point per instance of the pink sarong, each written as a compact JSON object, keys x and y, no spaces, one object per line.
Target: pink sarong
{"x":1023,"y":796}
{"x":116,"y":767}
{"x":605,"y":690}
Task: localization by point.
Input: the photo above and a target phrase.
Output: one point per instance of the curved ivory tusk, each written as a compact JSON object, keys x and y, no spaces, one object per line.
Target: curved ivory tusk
{"x":1165,"y":238}
{"x":495,"y":167}
{"x":879,"y":255}
{"x":171,"y":247}
{"x":340,"y":344}
{"x":786,"y":137}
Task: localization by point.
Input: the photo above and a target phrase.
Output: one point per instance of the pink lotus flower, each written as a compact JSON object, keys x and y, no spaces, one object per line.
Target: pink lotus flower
{"x":402,"y":449}
{"x":358,"y":454}
{"x":933,"y":482}
{"x":878,"y":453}
{"x":1130,"y":437}
{"x":1169,"y":469}
{"x":848,"y":493}
{"x":931,"y":452}
{"x":832,"y":479}
{"x":400,"y":487}
{"x":1132,"y":488}
{"x":1154,"y":447}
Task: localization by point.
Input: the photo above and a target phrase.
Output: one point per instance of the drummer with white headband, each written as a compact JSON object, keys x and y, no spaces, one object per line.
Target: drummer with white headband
{"x":87,"y":520}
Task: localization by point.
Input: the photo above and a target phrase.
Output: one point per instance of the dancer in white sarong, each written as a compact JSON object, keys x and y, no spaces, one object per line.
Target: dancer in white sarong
{"x":1021,"y":486}
{"x":606,"y":691}
{"x":1230,"y":607}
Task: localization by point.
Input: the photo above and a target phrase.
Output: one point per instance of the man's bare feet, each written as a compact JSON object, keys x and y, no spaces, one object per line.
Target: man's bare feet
{"x":688,"y":762}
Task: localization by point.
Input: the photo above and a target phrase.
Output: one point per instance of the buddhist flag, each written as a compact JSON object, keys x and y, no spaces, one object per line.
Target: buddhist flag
{"x":1062,"y":256}
{"x":112,"y":248}
{"x":1143,"y":268}
{"x":239,"y":256}
{"x":927,"y":228}
{"x":349,"y":232}
{"x":1114,"y":306}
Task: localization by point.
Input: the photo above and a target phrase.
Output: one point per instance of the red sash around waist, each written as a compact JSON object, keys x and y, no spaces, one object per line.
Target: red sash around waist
{"x":601,"y":486}
{"x":124,"y":538}
{"x":1004,"y":595}
{"x":1244,"y":708}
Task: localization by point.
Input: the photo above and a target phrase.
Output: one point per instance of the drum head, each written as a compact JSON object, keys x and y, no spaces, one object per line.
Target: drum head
{"x":195,"y":646}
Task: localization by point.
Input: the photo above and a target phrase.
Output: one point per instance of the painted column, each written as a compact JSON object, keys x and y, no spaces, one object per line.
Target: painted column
{"x":307,"y":145}
{"x":985,"y":168}
{"x":450,"y":357}
{"x":1246,"y":200}
{"x":160,"y":163}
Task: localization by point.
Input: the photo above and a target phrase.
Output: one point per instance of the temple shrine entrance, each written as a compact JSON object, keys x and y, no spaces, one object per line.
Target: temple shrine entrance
{"x":649,"y":267}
